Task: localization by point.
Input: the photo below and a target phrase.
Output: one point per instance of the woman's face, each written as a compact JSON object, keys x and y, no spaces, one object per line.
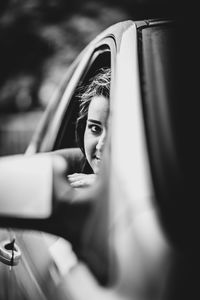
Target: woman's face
{"x":95,"y":131}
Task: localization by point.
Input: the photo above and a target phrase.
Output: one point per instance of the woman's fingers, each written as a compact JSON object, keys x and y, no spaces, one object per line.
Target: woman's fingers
{"x":81,"y":180}
{"x":78,"y":183}
{"x":75,"y":177}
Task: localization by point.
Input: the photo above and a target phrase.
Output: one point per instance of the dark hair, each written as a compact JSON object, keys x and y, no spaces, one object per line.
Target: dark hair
{"x":99,"y":85}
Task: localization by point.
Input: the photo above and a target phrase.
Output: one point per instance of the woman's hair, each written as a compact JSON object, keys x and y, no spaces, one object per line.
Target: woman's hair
{"x":99,"y":85}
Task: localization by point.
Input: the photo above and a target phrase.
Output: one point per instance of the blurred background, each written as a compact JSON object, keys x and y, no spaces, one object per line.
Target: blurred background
{"x":39,"y":40}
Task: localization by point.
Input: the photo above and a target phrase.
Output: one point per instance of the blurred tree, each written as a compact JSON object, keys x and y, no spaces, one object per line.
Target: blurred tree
{"x":39,"y":39}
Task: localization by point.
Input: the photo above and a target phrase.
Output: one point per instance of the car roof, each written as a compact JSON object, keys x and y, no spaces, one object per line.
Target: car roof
{"x":117,"y":30}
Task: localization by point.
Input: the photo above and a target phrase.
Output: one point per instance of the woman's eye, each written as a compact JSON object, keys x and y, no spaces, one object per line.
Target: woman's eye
{"x":95,"y":129}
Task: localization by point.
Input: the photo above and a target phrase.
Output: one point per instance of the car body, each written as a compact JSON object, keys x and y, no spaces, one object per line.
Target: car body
{"x":130,"y":243}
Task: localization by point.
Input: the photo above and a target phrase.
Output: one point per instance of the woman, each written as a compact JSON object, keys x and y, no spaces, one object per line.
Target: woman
{"x":91,"y":127}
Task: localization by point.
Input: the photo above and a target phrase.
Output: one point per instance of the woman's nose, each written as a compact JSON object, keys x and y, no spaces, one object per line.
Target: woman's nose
{"x":101,"y":141}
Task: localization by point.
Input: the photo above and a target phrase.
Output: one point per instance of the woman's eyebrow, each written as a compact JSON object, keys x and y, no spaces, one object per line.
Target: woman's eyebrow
{"x":94,"y":121}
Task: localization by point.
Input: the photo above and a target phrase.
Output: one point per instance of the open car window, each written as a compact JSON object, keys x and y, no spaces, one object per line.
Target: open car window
{"x":66,"y":135}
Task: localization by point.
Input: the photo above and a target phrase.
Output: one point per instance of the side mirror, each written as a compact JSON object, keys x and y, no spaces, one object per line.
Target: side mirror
{"x":34,"y":194}
{"x":26,"y":186}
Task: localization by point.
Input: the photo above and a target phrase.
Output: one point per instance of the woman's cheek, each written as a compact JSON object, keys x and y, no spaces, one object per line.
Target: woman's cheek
{"x":88,"y":145}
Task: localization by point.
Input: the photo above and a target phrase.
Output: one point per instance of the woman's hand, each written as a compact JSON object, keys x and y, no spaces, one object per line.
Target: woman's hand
{"x":80,"y":180}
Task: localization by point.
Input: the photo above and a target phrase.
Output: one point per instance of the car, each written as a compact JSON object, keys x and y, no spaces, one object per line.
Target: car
{"x":130,"y":245}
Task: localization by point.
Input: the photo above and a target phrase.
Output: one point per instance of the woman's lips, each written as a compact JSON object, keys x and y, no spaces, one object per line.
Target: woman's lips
{"x":97,"y":157}
{"x":96,"y":163}
{"x":97,"y":160}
